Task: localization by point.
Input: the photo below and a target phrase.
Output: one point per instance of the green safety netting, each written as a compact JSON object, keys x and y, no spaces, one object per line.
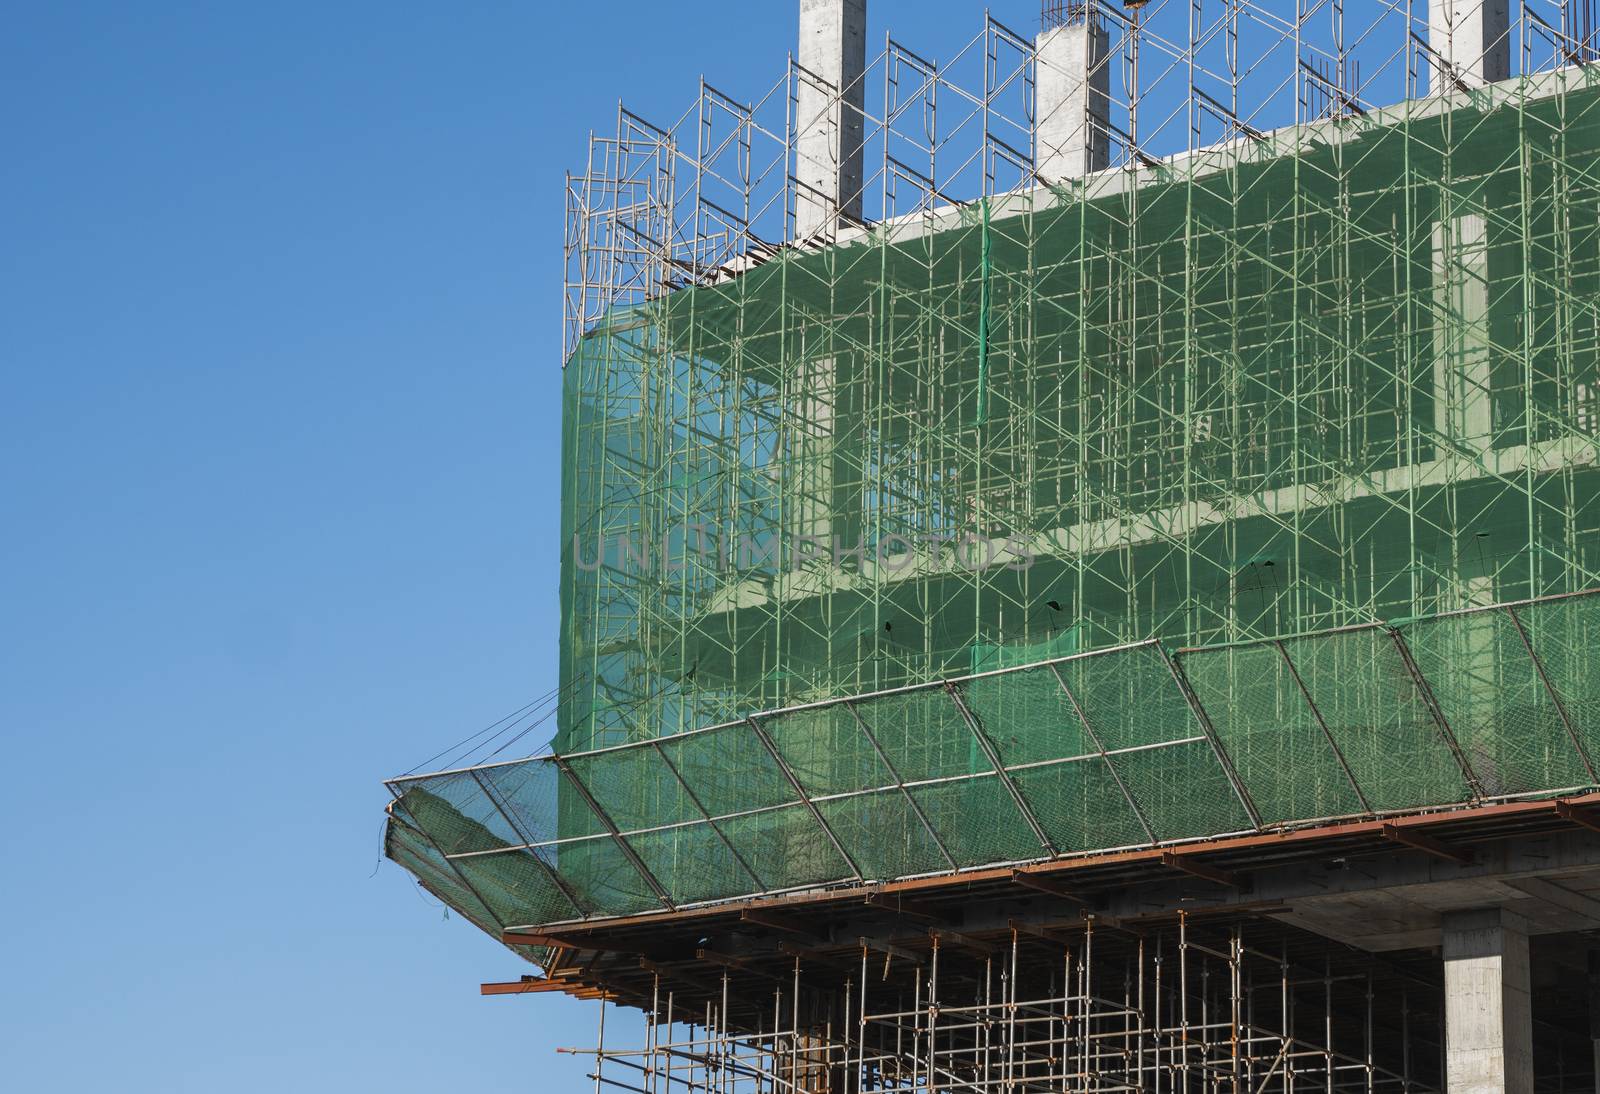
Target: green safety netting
{"x":1349,"y":370}
{"x":1093,"y":752}
{"x":922,"y":496}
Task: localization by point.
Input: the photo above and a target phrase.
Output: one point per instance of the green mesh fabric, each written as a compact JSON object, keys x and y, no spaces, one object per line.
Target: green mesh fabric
{"x":1252,"y":402}
{"x":1291,"y":384}
{"x":1097,"y":752}
{"x":1028,"y":716}
{"x":790,"y":849}
{"x":1565,"y":635}
{"x":924,"y":734}
{"x":412,"y":850}
{"x":635,"y":788}
{"x":886,"y":837}
{"x":1506,"y":721}
{"x":695,"y":862}
{"x":1080,"y":806}
{"x":730,"y":769}
{"x":828,"y":751}
{"x":601,"y":876}
{"x":1273,"y":736}
{"x":1379,"y":718}
{"x":1005,"y":836}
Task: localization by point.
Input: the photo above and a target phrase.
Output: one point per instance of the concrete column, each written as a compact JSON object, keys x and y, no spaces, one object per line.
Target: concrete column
{"x":1488,"y":1011}
{"x":1594,"y":1013}
{"x":1462,"y":409}
{"x":811,"y":470}
{"x":1072,"y":101}
{"x":829,"y":125}
{"x":1473,"y":37}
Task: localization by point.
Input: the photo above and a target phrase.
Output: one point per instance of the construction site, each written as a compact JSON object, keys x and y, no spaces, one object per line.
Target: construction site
{"x":1081,"y":567}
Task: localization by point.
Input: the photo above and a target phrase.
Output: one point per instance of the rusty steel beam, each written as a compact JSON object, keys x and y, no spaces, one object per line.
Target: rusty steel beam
{"x":947,"y":937}
{"x":1299,"y":840}
{"x":1187,"y":864}
{"x":528,"y":985}
{"x":1438,"y":848}
{"x":777,"y":921}
{"x":899,"y":906}
{"x":536,"y":938}
{"x":1568,"y":812}
{"x":883,"y":945}
{"x":1030,"y":880}
{"x":728,"y":961}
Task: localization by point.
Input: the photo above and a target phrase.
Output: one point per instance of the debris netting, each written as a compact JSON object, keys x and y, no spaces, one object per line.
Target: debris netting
{"x":1124,"y":747}
{"x":1347,"y":371}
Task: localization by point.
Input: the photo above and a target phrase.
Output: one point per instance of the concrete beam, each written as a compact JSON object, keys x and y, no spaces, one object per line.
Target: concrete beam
{"x":1472,"y":37}
{"x":1072,"y":102}
{"x":829,"y":122}
{"x":1488,"y":1009}
{"x":1559,"y":896}
{"x":1381,"y":903}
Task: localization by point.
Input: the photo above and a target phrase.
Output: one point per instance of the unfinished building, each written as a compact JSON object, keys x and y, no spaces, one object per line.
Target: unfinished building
{"x":1079,"y":567}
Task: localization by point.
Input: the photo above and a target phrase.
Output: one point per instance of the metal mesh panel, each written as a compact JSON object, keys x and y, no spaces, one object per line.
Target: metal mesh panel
{"x":515,"y":887}
{"x":1080,"y":806}
{"x":602,"y":878}
{"x":924,"y":735}
{"x":457,"y":813}
{"x":787,"y":846}
{"x":530,"y":796}
{"x":1271,"y":732}
{"x":884,"y":834}
{"x":411,"y":849}
{"x":1281,"y":720}
{"x":827,"y":750}
{"x":1000,"y":834}
{"x":1379,"y":719}
{"x":1130,"y":698}
{"x":634,"y":788}
{"x":1490,"y":694}
{"x":1182,"y":790}
{"x":1028,"y":716}
{"x":1565,"y":635}
{"x":730,"y":770}
{"x":694,"y":863}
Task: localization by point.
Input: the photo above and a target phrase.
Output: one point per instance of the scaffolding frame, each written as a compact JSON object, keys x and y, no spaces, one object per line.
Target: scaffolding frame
{"x":1300,"y":358}
{"x":1251,"y":482}
{"x":712,"y":192}
{"x":1138,"y":746}
{"x":1075,"y":1008}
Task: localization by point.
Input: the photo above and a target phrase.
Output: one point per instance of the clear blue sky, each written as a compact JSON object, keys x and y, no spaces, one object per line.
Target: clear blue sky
{"x":279,"y":323}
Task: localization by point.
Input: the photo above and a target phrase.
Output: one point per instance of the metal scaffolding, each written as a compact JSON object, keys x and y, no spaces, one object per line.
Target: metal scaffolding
{"x":1320,"y":346}
{"x":1136,"y":746}
{"x":1179,"y":1009}
{"x":1187,"y":442}
{"x":1234,"y":472}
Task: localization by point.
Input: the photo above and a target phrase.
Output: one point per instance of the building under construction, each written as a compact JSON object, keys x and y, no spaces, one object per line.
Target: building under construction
{"x":1080,"y":565}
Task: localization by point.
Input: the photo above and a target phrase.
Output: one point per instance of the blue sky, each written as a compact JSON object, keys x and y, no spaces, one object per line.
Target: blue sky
{"x":280,"y":344}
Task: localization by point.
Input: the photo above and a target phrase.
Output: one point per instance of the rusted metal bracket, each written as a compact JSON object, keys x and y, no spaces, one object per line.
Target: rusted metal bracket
{"x":1435,"y":847}
{"x":1042,"y":884}
{"x":1187,"y":864}
{"x":777,"y":921}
